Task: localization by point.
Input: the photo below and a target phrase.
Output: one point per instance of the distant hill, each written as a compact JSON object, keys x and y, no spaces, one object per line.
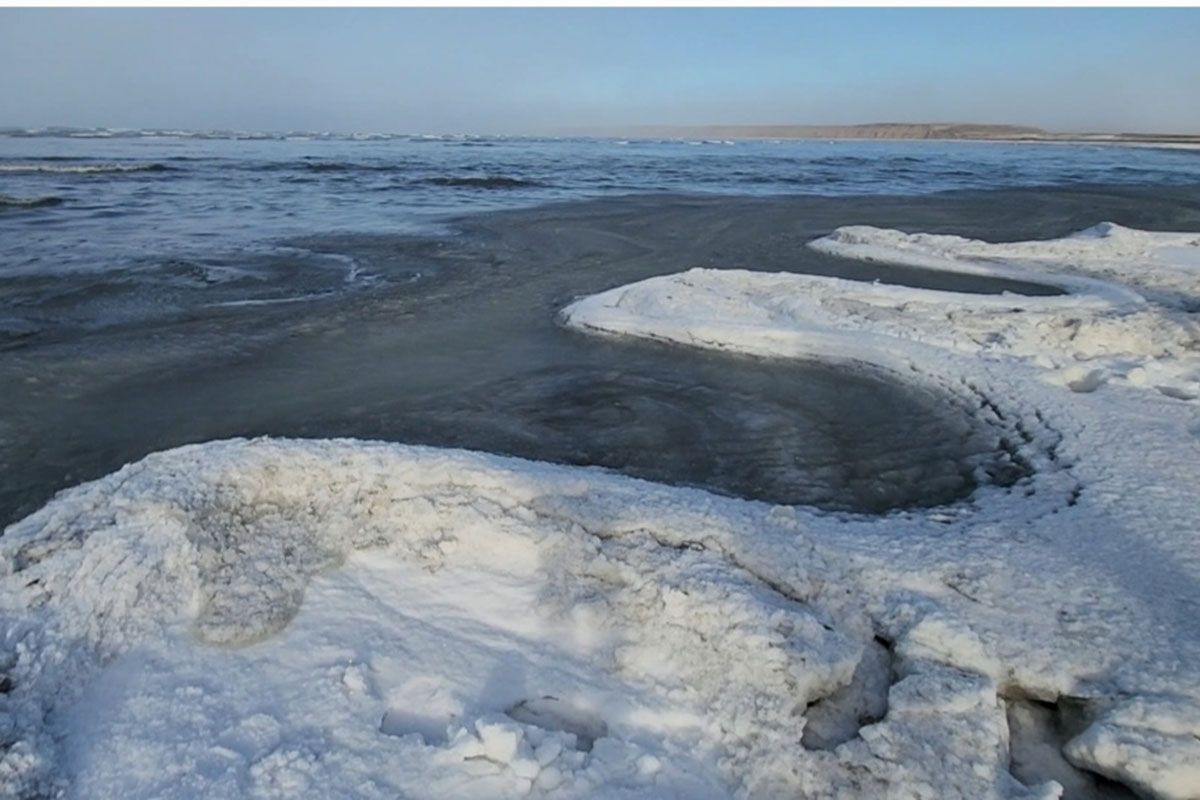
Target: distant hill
{"x":876,"y":130}
{"x":900,"y":130}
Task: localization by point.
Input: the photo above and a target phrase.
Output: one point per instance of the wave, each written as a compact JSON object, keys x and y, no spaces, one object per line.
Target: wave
{"x":798,"y":180}
{"x":398,"y":167}
{"x":840,"y":161}
{"x":483,"y":182}
{"x":56,"y":158}
{"x":7,"y":201}
{"x":342,"y":166}
{"x":82,"y":169}
{"x":326,"y":166}
{"x":861,"y":161}
{"x":58,"y":132}
{"x":330,"y":166}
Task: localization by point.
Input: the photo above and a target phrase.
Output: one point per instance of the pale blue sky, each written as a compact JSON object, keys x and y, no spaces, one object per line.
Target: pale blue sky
{"x":544,"y":70}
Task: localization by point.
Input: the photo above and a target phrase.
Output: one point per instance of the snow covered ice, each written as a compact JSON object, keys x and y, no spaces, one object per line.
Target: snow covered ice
{"x":276,"y":618}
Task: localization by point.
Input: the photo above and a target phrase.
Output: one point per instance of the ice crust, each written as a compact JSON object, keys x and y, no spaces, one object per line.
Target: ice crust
{"x":281,"y":618}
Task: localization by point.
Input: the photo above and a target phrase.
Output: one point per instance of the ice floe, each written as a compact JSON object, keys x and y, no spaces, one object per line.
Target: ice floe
{"x":280,"y":618}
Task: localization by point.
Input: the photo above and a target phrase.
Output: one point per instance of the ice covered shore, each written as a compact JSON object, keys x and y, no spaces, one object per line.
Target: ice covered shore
{"x":1124,"y":314}
{"x":341,"y":619}
{"x":1102,"y":380}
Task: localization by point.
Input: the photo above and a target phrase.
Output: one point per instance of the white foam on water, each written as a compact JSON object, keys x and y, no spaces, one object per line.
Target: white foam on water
{"x":77,"y":169}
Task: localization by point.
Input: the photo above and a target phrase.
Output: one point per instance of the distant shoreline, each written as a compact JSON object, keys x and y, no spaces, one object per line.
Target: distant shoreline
{"x":884,"y":131}
{"x":911,"y":132}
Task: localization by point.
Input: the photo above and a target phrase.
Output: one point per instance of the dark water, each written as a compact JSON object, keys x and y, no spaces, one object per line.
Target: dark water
{"x":101,"y":231}
{"x":188,"y":290}
{"x":128,"y":203}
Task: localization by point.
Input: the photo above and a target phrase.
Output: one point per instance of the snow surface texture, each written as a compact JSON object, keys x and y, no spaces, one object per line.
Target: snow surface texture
{"x":276,"y":618}
{"x":330,"y":619}
{"x":1108,"y":373}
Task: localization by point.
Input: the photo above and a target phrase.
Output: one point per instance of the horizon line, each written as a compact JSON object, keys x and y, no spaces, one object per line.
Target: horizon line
{"x":878,"y":130}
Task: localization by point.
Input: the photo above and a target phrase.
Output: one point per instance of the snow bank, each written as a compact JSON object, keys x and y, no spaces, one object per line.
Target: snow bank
{"x":1107,"y":263}
{"x":1107,"y":374}
{"x":274,"y":618}
{"x":1162,"y":266}
{"x":1098,"y":331}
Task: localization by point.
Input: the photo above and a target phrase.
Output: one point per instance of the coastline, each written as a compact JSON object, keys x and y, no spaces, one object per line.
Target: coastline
{"x":917,"y":132}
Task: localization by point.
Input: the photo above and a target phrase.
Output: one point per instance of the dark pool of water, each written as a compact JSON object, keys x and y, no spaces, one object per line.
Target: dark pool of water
{"x":455,"y":344}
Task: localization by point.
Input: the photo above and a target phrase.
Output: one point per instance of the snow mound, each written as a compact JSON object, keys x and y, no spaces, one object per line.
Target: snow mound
{"x":278,"y":618}
{"x":1165,"y":267}
{"x":1098,"y":331}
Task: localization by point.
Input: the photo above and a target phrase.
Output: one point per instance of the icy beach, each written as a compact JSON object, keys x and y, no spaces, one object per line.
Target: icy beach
{"x":1101,"y":383}
{"x":337,"y":618}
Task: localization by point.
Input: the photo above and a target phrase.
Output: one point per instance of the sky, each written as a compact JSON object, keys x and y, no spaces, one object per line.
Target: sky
{"x":574,"y":70}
